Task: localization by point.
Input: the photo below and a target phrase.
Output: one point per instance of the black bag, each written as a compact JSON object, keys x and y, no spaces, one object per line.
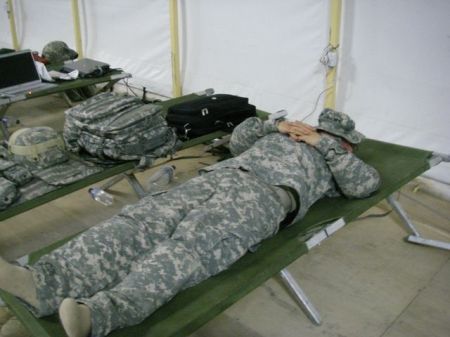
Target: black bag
{"x":208,"y":114}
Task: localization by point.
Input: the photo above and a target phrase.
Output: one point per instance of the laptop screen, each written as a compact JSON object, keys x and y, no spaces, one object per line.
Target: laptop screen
{"x":16,"y":69}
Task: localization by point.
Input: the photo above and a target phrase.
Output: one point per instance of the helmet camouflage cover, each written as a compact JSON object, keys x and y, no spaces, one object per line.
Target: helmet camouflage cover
{"x":38,"y":147}
{"x":42,"y":150}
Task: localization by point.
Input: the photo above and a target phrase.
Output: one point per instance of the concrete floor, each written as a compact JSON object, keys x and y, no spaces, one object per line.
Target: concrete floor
{"x":365,"y":280}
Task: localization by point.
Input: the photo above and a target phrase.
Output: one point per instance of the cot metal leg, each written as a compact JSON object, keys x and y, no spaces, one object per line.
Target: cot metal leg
{"x":66,"y":98}
{"x":132,"y":180}
{"x":135,"y":184}
{"x":301,"y":298}
{"x":111,"y":182}
{"x":415,"y":237}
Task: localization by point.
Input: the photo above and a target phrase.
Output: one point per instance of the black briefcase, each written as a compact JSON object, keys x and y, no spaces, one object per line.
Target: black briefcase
{"x":208,"y":114}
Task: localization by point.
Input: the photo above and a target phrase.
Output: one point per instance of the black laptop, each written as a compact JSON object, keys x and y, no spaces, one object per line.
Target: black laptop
{"x":19,"y":75}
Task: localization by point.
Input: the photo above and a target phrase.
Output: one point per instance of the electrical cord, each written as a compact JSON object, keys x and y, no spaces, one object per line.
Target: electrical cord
{"x":377,"y":215}
{"x":317,"y":102}
{"x":130,"y":88}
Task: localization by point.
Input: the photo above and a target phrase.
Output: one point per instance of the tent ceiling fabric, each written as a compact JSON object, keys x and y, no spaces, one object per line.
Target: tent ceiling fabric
{"x":393,"y":68}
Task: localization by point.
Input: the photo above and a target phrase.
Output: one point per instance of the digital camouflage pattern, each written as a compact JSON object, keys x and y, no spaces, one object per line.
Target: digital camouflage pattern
{"x":6,"y":164}
{"x":119,"y":127}
{"x":128,"y":266}
{"x":41,"y":151}
{"x":56,"y":52}
{"x":18,"y":174}
{"x":34,"y":189}
{"x":38,"y":165}
{"x":4,"y":153}
{"x":92,"y":111}
{"x":43,"y":145}
{"x":67,"y":172}
{"x":339,"y":124}
{"x":8,"y":193}
{"x":11,"y":176}
{"x":313,"y":172}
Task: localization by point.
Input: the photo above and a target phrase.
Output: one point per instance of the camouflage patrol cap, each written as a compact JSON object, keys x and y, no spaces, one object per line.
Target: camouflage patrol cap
{"x":56,"y":52}
{"x":38,"y":147}
{"x":339,"y":124}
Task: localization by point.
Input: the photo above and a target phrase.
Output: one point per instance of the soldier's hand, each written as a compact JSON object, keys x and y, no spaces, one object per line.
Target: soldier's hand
{"x":312,"y":138}
{"x":295,"y":128}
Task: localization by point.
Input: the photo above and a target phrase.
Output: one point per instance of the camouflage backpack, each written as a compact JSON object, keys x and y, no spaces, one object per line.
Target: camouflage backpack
{"x":112,"y":126}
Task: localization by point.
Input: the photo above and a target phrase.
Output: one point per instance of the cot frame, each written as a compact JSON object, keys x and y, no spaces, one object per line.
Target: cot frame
{"x":435,"y":159}
{"x":120,"y":171}
{"x":299,"y":295}
{"x":217,"y":293}
{"x":107,"y":82}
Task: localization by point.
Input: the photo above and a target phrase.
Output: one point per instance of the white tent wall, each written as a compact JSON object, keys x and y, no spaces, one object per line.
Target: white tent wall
{"x":133,"y":35}
{"x":37,"y":22}
{"x":394,"y":72}
{"x":5,"y":34}
{"x":393,"y":57}
{"x":266,"y":50}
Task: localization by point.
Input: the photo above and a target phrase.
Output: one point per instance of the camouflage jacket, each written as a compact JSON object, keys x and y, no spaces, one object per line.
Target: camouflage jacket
{"x":326,"y":169}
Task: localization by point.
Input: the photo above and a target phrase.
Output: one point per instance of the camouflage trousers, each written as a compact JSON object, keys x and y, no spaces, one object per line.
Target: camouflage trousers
{"x":126,"y":267}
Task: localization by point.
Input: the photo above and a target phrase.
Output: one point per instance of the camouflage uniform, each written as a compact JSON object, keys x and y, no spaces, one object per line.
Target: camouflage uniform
{"x":312,"y":172}
{"x":139,"y":259}
{"x":128,"y":266}
{"x":8,"y":193}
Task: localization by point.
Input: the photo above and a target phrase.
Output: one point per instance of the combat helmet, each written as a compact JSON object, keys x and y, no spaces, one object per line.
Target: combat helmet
{"x":56,"y":52}
{"x":37,"y":148}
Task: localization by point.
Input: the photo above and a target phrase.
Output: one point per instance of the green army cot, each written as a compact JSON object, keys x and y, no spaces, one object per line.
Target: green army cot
{"x":118,"y":171}
{"x":195,"y":306}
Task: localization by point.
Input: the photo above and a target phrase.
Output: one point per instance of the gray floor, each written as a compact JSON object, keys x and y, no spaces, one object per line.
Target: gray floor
{"x":365,"y":280}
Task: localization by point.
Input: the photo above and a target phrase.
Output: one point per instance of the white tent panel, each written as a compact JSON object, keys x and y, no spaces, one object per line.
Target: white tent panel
{"x":266,"y":50}
{"x":38,"y":22}
{"x":394,"y":72}
{"x":133,"y":35}
{"x":263,"y":49}
{"x":5,"y":34}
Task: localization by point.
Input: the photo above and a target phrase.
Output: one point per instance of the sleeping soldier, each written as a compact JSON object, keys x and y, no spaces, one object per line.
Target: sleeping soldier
{"x":118,"y":272}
